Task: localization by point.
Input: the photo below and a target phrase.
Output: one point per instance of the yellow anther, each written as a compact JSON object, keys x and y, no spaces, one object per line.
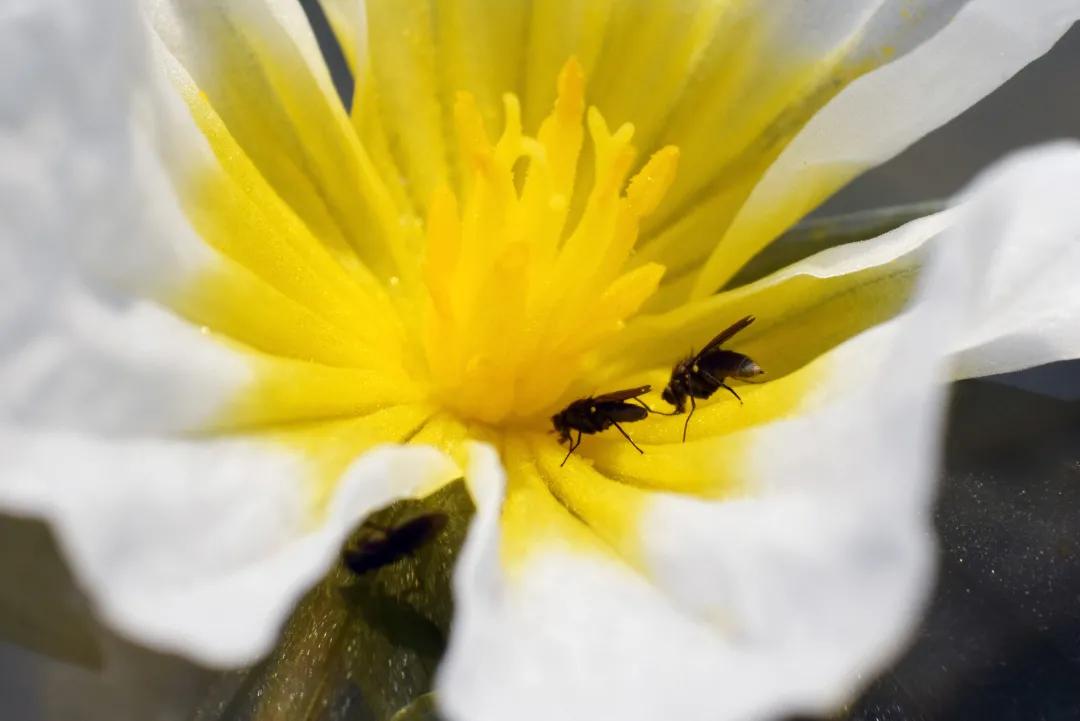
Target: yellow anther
{"x":614,"y":153}
{"x":570,"y":102}
{"x":649,"y":186}
{"x":472,"y":137}
{"x":561,"y":132}
{"x":509,"y":147}
{"x":517,"y":300}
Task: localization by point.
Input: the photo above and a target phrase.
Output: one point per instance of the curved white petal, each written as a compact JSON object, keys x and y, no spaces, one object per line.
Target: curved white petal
{"x":1024,"y":218}
{"x":883,"y":112}
{"x":789,"y":597}
{"x":201,"y":547}
{"x":134,"y":369}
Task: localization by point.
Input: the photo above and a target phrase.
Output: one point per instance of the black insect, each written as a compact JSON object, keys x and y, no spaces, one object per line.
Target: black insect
{"x":598,"y":413}
{"x":702,"y":374}
{"x":386,"y":545}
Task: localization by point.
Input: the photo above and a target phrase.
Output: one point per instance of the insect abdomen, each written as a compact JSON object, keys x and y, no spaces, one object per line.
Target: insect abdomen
{"x":721,"y":364}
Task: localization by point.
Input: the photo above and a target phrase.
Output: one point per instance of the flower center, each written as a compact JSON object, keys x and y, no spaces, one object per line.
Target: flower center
{"x":517,"y":299}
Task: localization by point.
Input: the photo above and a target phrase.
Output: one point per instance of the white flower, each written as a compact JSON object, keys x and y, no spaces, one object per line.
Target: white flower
{"x":219,"y":292}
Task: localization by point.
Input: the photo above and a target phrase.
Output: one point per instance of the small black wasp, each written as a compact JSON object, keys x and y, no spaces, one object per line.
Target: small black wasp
{"x":387,"y":545}
{"x":702,"y":374}
{"x":598,"y":413}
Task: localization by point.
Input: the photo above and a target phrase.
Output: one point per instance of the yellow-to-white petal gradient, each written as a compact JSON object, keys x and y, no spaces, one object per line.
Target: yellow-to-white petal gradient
{"x":210,"y":291}
{"x":76,"y":352}
{"x":802,"y":310}
{"x":783,"y":598}
{"x":112,"y":385}
{"x":884,"y":111}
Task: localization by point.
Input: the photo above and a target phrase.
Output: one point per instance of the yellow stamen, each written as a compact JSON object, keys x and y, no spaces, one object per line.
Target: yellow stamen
{"x":514,"y":301}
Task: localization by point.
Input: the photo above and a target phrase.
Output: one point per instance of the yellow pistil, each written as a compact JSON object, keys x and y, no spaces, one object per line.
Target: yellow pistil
{"x":516,"y":301}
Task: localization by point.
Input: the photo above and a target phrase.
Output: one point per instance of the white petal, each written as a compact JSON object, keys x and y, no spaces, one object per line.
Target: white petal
{"x":50,"y":188}
{"x":133,"y":369}
{"x":76,"y":350}
{"x":789,"y":597}
{"x":1024,"y":217}
{"x":883,"y":112}
{"x":199,"y":547}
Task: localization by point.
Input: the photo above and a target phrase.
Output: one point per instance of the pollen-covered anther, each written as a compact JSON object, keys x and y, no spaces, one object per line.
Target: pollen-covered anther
{"x":516,"y":297}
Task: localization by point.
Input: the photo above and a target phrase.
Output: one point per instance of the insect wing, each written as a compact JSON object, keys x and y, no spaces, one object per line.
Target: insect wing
{"x":622,"y":412}
{"x":726,"y":334}
{"x":623,"y":395}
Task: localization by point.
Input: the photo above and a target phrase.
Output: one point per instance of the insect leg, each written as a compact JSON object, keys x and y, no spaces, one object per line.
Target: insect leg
{"x":720,"y":382}
{"x":693,"y":407}
{"x":573,"y":446}
{"x":650,"y":410}
{"x":635,"y":445}
{"x":732,"y":391}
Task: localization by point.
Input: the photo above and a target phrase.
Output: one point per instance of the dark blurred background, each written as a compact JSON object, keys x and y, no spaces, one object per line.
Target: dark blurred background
{"x":1001,"y":635}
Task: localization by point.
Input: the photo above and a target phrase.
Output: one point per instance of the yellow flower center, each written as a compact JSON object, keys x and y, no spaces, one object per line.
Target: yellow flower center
{"x":516,"y":297}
